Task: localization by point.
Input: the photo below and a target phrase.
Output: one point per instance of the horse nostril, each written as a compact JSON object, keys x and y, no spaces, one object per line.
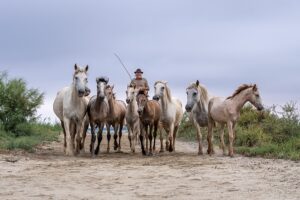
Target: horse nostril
{"x":155,"y":98}
{"x":81,"y":92}
{"x":127,"y":101}
{"x":188,"y":108}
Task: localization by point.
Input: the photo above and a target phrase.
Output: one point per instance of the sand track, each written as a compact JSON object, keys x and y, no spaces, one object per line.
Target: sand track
{"x":48,"y":174}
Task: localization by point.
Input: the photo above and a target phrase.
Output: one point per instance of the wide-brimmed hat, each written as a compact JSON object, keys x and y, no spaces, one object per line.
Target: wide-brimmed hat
{"x":138,"y":71}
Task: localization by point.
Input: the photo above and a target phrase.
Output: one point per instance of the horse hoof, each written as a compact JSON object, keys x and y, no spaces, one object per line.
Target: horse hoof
{"x":170,"y":149}
{"x":144,"y":153}
{"x":96,"y":151}
{"x":200,"y":153}
{"x":161,"y":151}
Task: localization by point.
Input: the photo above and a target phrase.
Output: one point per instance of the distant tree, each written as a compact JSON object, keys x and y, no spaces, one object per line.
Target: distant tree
{"x":18,"y":104}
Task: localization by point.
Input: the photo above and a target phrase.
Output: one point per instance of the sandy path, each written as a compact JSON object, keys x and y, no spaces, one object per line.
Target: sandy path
{"x":48,"y":174}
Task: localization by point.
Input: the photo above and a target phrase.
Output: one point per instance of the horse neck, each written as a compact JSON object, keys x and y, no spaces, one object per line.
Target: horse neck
{"x":99,"y":103}
{"x":133,"y":107}
{"x":147,"y":108}
{"x":240,"y":100}
{"x":112,"y":105}
{"x":74,"y":97}
{"x":165,"y":102}
{"x":202,"y":104}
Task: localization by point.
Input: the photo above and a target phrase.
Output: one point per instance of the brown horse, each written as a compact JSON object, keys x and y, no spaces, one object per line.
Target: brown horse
{"x":116,"y":116}
{"x":228,"y":112}
{"x":98,"y":110}
{"x":149,"y":112}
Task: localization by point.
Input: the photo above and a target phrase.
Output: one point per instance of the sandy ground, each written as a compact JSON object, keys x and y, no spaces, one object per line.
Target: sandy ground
{"x":48,"y":174}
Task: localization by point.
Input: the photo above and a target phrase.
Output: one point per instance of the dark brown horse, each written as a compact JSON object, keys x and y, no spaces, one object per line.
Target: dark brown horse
{"x":149,"y":112}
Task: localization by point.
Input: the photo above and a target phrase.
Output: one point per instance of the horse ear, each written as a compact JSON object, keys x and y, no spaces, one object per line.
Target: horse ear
{"x":165,"y":82}
{"x":86,"y":68}
{"x":112,"y":87}
{"x":197,"y":83}
{"x":255,"y":87}
{"x":75,"y":67}
{"x":97,"y":80}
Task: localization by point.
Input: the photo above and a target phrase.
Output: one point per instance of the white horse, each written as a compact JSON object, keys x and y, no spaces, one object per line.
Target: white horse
{"x":171,"y":112}
{"x":197,"y":104}
{"x":132,"y":116}
{"x":70,"y":107}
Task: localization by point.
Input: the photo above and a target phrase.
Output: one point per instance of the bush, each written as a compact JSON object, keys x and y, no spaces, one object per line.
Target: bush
{"x":19,"y":128}
{"x":38,"y":133}
{"x":18,"y":104}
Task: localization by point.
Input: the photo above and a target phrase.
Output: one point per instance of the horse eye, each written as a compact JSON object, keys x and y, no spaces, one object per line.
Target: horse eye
{"x":163,"y":88}
{"x":195,"y":93}
{"x":76,"y":78}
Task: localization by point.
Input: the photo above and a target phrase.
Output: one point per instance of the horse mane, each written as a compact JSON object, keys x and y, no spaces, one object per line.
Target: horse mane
{"x":103,"y":79}
{"x":168,"y":92}
{"x":79,"y":70}
{"x":143,"y":92}
{"x":132,"y":85}
{"x":201,"y":89}
{"x":240,"y":89}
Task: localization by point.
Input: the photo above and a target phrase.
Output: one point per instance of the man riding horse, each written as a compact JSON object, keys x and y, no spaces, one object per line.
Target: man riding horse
{"x":140,"y":82}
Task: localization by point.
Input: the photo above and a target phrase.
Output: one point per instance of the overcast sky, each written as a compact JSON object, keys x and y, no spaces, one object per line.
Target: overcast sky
{"x":221,"y":43}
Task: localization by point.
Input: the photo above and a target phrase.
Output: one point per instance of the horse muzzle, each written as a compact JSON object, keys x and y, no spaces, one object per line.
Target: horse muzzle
{"x":260,"y":108}
{"x":156,"y":98}
{"x":188,"y":108}
{"x":140,"y":111}
{"x":87,"y":91}
{"x":101,"y":97}
{"x":128,"y":101}
{"x":81,"y":93}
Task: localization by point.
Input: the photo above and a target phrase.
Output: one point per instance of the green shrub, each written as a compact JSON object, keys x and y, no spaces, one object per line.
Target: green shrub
{"x":18,"y":104}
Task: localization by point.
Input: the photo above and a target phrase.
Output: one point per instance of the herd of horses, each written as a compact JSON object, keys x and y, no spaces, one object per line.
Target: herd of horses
{"x":144,"y":117}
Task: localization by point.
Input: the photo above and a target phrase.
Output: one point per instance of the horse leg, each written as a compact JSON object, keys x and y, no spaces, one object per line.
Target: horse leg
{"x":67,"y":125}
{"x":167,"y":139}
{"x":93,"y":139}
{"x":150,"y":140}
{"x":130,"y":133}
{"x":171,"y":132}
{"x":222,"y":139}
{"x":161,"y":140}
{"x":142,"y":135}
{"x":100,"y":131}
{"x":199,"y":137}
{"x":108,"y":136}
{"x":78,"y":136}
{"x":64,"y":132}
{"x":85,"y":128}
{"x":154,"y":135}
{"x":147,"y":138}
{"x":115,"y":137}
{"x":231,"y":138}
{"x":136,"y":132}
{"x":209,"y":137}
{"x":120,"y":135}
{"x":174,"y":136}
